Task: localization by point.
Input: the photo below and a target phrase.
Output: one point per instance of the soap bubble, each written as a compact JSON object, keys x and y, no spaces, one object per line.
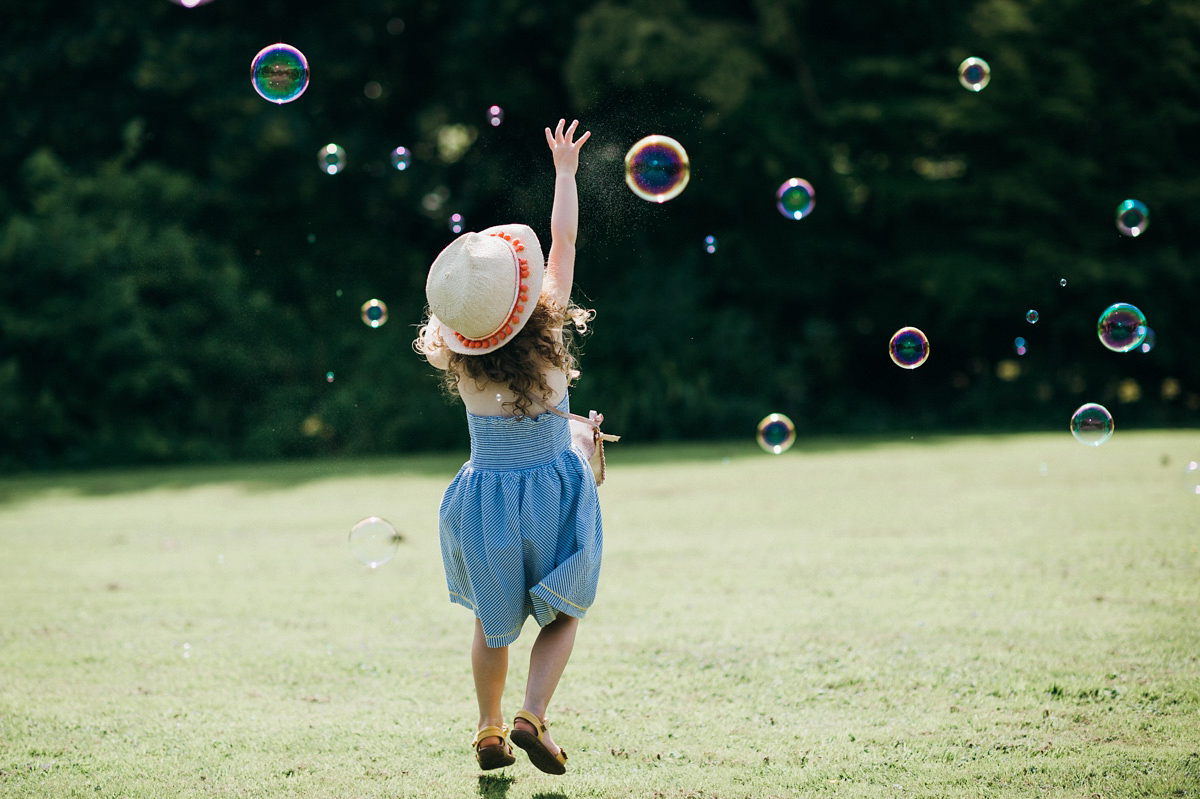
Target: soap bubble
{"x":331,"y":159}
{"x":710,"y":244}
{"x":329,"y":377}
{"x":776,"y":434}
{"x":795,"y":198}
{"x":373,"y":541}
{"x":974,"y":74}
{"x":495,"y":115}
{"x":1148,"y":341}
{"x":1121,"y":327}
{"x":401,"y":158}
{"x":1019,"y":345}
{"x":1191,"y":477}
{"x":909,"y":348}
{"x":1062,"y":282}
{"x":1031,"y":316}
{"x":374,"y":313}
{"x":456,"y":223}
{"x":279,"y":73}
{"x":1132,"y":218}
{"x":657,"y":168}
{"x":1091,"y":424}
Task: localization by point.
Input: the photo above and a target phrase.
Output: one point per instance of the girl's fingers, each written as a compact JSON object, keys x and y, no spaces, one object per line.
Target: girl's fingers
{"x":571,"y":130}
{"x":559,"y":130}
{"x":583,"y":138}
{"x":549,"y":138}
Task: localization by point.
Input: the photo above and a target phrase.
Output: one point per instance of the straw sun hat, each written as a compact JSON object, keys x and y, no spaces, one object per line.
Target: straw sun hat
{"x":483,"y":287}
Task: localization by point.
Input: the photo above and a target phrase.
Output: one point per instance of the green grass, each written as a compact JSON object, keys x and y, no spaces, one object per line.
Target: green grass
{"x":960,"y":617}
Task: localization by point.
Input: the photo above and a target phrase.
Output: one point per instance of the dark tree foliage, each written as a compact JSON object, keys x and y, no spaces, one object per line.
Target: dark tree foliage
{"x":180,"y":277}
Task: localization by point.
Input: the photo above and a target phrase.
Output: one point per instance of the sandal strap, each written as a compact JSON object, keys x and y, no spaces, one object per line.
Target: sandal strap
{"x":538,"y":724}
{"x":500,"y":732}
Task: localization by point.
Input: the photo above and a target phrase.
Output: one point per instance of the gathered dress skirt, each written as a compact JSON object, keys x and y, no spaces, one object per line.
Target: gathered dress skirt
{"x":520,"y":525}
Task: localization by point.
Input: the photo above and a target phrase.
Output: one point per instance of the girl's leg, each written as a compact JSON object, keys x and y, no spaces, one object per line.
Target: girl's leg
{"x":490,"y":667}
{"x":547,"y":660}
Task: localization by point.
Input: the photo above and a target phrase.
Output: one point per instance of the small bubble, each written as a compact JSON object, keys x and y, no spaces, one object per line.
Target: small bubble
{"x":776,"y":434}
{"x":710,"y":244}
{"x":329,"y":377}
{"x":395,"y":26}
{"x":1132,"y":218}
{"x":495,"y":115}
{"x":401,"y":158}
{"x":795,"y":198}
{"x":1031,"y":316}
{"x":1091,"y":424}
{"x":974,"y":74}
{"x":373,"y":90}
{"x":373,"y":541}
{"x":374,"y":313}
{"x":1062,"y":282}
{"x":456,"y":223}
{"x":331,"y":159}
{"x":312,"y":238}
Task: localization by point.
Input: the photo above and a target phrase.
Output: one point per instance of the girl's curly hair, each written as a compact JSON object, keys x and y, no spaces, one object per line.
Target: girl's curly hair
{"x":521,"y":364}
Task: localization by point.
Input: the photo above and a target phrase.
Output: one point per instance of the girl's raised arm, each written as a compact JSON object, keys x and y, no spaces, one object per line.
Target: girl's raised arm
{"x":564,"y":216}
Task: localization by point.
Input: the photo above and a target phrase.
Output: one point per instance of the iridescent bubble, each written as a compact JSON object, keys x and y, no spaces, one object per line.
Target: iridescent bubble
{"x":909,"y":348}
{"x":974,"y":74}
{"x":456,"y":223}
{"x":657,"y":168}
{"x":329,"y":377}
{"x":279,"y":73}
{"x":795,"y":198}
{"x":1019,"y":345}
{"x":191,"y":3}
{"x":401,"y":158}
{"x":1132,"y":218}
{"x":1031,"y":316}
{"x":374,"y":313}
{"x":710,"y":244}
{"x":1062,"y":282}
{"x":495,"y":115}
{"x":1148,"y":341}
{"x":373,"y":541}
{"x":776,"y":434}
{"x":1191,"y":477}
{"x":331,"y":158}
{"x":1091,"y":424}
{"x":1121,"y":327}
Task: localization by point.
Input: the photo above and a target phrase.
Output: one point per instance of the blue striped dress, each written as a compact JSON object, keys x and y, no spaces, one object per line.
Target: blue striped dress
{"x":520,"y":525}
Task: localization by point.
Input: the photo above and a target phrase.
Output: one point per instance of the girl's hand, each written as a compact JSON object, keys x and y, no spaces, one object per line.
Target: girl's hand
{"x":566,"y":151}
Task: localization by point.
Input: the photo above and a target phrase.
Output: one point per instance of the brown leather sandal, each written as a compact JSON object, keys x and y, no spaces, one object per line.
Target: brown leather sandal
{"x":539,"y":754}
{"x":497,"y":755}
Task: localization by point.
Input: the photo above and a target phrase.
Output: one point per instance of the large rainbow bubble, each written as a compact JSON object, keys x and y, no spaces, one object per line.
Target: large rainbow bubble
{"x":909,"y":348}
{"x":279,"y":73}
{"x":1121,"y":327}
{"x":657,"y":168}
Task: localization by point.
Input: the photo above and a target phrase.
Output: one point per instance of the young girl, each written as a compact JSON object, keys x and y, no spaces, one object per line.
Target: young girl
{"x":520,"y":523}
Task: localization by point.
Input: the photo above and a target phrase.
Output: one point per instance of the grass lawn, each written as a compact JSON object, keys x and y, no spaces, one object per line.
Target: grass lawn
{"x":958,"y":617}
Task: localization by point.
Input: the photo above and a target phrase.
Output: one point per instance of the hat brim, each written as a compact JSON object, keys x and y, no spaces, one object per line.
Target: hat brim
{"x":532,"y":252}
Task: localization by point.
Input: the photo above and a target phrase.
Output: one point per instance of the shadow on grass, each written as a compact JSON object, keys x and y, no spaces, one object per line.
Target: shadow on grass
{"x":277,"y":475}
{"x":267,"y":476}
{"x":494,"y":787}
{"x":555,"y":795}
